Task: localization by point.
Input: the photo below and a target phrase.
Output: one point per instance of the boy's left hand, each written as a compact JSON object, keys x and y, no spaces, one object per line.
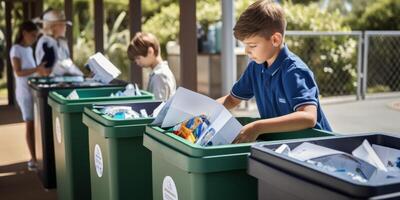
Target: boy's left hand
{"x":247,"y":134}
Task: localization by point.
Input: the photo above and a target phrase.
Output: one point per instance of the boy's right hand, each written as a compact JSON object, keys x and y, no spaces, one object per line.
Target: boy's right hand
{"x":42,"y":70}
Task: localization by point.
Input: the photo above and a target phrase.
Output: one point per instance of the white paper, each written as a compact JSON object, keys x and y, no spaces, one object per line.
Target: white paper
{"x":223,"y":130}
{"x":157,"y":110}
{"x":186,"y":104}
{"x":73,"y":95}
{"x":143,"y":113}
{"x":339,"y":162}
{"x":308,"y":151}
{"x":366,"y":152}
{"x":388,"y":156}
{"x":163,"y":109}
{"x":104,"y":71}
{"x":137,"y":90}
{"x":283,"y":149}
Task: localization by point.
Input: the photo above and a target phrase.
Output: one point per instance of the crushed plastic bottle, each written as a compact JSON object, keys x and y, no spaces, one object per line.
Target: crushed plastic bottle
{"x":130,"y":90}
{"x":122,"y":112}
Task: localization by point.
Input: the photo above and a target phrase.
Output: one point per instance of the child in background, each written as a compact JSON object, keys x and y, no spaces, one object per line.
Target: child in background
{"x":52,"y":46}
{"x":145,"y":51}
{"x":282,"y":84}
{"x":24,"y":66}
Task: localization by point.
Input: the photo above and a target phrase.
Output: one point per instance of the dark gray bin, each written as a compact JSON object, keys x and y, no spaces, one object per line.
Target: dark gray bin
{"x":282,"y":177}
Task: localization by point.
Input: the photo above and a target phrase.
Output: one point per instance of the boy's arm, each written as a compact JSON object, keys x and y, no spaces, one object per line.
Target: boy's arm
{"x":304,"y":117}
{"x":229,"y":101}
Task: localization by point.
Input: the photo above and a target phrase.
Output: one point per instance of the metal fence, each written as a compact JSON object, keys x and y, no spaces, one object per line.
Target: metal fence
{"x":350,"y":63}
{"x":381,"y":59}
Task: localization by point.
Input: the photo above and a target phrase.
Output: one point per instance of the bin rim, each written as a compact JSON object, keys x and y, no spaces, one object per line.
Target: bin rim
{"x":195,"y":150}
{"x":124,"y":131}
{"x":43,"y":91}
{"x":63,"y":105}
{"x":55,"y":95}
{"x":110,"y":122}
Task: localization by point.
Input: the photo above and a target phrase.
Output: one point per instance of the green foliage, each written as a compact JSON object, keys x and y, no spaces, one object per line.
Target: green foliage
{"x":383,"y":57}
{"x":165,"y":25}
{"x":312,"y":18}
{"x":208,"y":12}
{"x":331,"y":58}
{"x":378,"y":15}
{"x":240,"y":7}
{"x":55,"y":4}
{"x":115,"y":44}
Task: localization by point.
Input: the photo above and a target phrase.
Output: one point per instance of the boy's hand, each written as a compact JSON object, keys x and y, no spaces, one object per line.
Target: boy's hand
{"x":247,"y":134}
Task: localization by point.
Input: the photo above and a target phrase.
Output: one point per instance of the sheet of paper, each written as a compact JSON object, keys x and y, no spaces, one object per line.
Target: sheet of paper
{"x":73,"y":95}
{"x":308,"y":151}
{"x":158,"y":110}
{"x":103,"y":70}
{"x":223,"y":130}
{"x":186,"y":104}
{"x":347,"y":163}
{"x":163,"y":109}
{"x":366,"y":152}
{"x":390,"y":157}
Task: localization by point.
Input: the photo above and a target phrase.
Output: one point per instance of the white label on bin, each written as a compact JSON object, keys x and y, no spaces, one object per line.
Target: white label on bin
{"x":58,"y":130}
{"x":98,"y":160}
{"x":169,"y":189}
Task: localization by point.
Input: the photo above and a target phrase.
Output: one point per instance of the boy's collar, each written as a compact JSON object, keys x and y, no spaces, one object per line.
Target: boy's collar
{"x":283,"y":53}
{"x":159,"y":66}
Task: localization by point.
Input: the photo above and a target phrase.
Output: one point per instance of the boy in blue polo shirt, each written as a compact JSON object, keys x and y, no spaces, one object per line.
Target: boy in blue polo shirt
{"x":282,"y":84}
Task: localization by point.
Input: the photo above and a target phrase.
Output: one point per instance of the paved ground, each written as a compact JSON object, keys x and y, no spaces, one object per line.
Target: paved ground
{"x":344,"y":114}
{"x":16,"y":182}
{"x":375,"y":115}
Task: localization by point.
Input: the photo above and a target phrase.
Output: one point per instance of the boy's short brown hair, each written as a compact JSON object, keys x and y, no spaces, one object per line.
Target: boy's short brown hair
{"x":262,"y":18}
{"x":140,"y":44}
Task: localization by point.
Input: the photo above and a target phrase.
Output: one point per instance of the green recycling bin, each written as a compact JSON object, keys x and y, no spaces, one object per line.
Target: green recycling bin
{"x":120,"y":166}
{"x":40,"y":88}
{"x":182,"y":170}
{"x":71,"y":137}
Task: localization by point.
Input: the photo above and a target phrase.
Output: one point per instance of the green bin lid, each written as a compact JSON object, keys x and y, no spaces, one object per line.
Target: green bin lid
{"x":88,"y":96}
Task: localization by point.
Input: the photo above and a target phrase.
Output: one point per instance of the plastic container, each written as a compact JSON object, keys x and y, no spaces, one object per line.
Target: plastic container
{"x":71,"y":136}
{"x":120,"y":167}
{"x":182,"y":170}
{"x":40,"y":88}
{"x":283,"y":177}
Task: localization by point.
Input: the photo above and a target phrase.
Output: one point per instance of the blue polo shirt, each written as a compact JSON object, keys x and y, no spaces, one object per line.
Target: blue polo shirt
{"x":280,"y":88}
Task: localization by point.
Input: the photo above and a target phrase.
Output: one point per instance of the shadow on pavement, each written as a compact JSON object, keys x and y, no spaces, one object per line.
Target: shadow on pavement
{"x":17,"y":183}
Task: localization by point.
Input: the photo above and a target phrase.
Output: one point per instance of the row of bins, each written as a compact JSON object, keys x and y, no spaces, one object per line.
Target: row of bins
{"x":99,"y":157}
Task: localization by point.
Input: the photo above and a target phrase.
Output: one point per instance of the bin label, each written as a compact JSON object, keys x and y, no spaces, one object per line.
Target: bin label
{"x":169,"y":189}
{"x":58,"y":130}
{"x":98,"y":160}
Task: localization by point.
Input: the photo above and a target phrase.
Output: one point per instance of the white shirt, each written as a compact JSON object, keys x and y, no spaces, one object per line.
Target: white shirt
{"x":25,"y":55}
{"x":63,"y":62}
{"x":162,"y":82}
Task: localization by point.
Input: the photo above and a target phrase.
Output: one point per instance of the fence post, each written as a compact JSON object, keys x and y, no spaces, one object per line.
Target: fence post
{"x":365,"y":65}
{"x":359,"y":65}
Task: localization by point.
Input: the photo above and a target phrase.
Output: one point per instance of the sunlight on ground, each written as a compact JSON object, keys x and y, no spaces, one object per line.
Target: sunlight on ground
{"x":13,"y":148}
